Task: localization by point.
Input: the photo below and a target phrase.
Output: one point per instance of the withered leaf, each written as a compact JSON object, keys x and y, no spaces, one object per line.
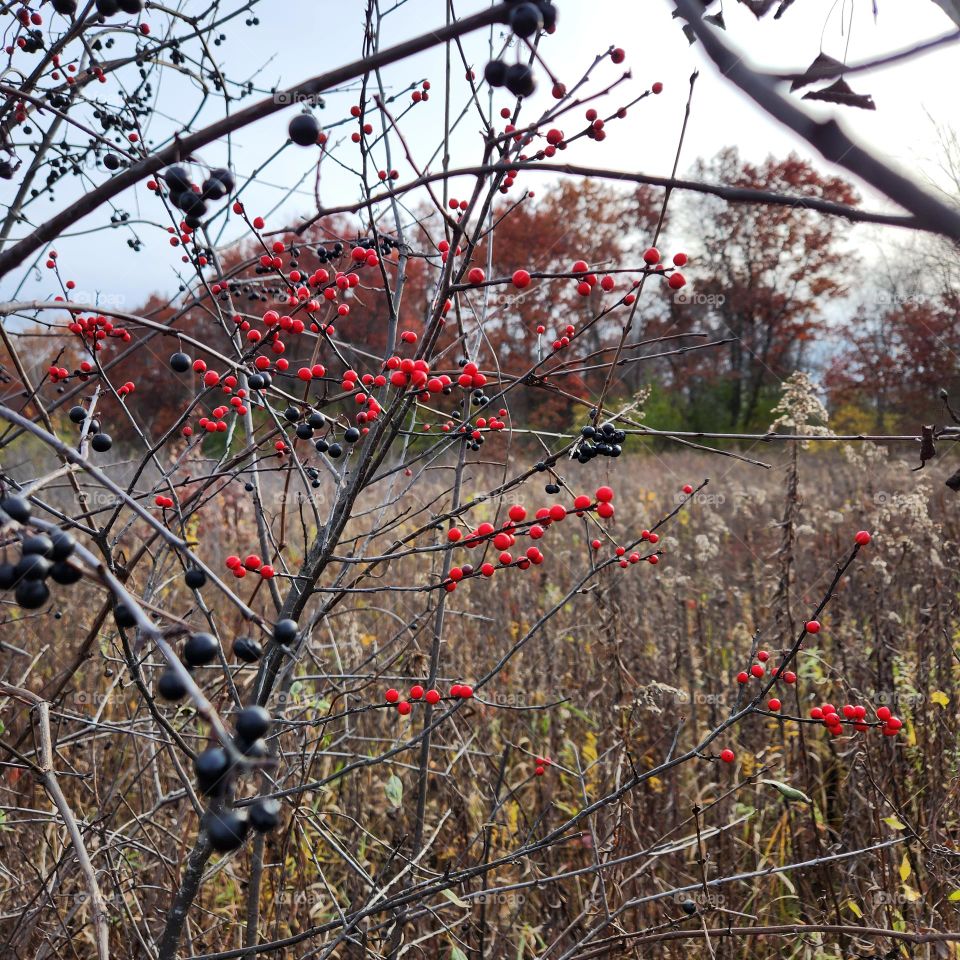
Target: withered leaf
{"x":823,"y":66}
{"x":951,"y":8}
{"x":782,"y":9}
{"x":716,"y":19}
{"x":841,"y":93}
{"x":759,"y":8}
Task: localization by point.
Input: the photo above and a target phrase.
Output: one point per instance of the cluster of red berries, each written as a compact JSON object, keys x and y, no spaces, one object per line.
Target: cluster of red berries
{"x":676,"y":280}
{"x":476,"y":432}
{"x":541,"y":765}
{"x":758,"y":671}
{"x":94,"y":330}
{"x":421,"y":95}
{"x":458,"y":691}
{"x":253,"y":563}
{"x":412,"y":373}
{"x":506,"y":537}
{"x":856,"y":716}
{"x":162,"y":501}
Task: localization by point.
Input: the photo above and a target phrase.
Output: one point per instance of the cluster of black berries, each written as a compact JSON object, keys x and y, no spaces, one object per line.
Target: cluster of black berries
{"x":525,"y":18}
{"x":317,"y":421}
{"x":384,"y":244}
{"x":32,"y":41}
{"x":106,"y":8}
{"x":42,"y":558}
{"x":193,"y":203}
{"x":605,"y":441}
{"x":110,"y":8}
{"x":227,"y":828}
{"x":100,"y":441}
{"x":249,"y":650}
{"x":199,"y":650}
{"x":325,"y":256}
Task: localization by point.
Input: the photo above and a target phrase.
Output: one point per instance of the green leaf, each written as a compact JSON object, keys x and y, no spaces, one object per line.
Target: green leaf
{"x":894,"y":823}
{"x":788,"y":792}
{"x":854,"y":909}
{"x":394,"y":790}
{"x":456,"y":953}
{"x":954,"y":897}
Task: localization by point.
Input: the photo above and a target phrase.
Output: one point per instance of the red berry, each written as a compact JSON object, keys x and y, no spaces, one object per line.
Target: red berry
{"x":651,"y":256}
{"x":789,"y":676}
{"x":884,"y":713}
{"x":813,"y":626}
{"x":403,"y":708}
{"x":433,"y":696}
{"x":521,"y":279}
{"x":476,"y":275}
{"x":392,"y":696}
{"x":604,"y":494}
{"x":773,"y":704}
{"x":466,"y":691}
{"x":757,"y":670}
{"x":763,"y":656}
{"x":743,"y":676}
{"x":676,"y":281}
{"x":727,"y":756}
{"x":862,"y":538}
{"x":687,"y":489}
{"x":416,"y":692}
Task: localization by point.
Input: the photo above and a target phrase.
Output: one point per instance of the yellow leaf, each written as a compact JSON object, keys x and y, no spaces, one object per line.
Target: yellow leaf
{"x":939,"y":697}
{"x":854,"y":909}
{"x":904,"y":868}
{"x":894,"y":823}
{"x":454,"y":899}
{"x":954,"y":897}
{"x":912,"y":896}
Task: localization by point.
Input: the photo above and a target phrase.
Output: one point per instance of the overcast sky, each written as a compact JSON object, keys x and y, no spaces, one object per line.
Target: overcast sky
{"x":300,"y":38}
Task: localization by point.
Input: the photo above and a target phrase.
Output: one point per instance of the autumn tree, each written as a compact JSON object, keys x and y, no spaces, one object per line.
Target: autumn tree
{"x":895,"y":357}
{"x":766,"y":279}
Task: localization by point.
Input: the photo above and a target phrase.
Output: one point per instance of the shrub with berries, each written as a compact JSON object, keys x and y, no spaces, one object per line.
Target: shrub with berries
{"x":369,"y":577}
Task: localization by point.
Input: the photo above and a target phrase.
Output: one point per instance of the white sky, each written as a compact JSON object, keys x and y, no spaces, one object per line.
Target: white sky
{"x":297,"y":42}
